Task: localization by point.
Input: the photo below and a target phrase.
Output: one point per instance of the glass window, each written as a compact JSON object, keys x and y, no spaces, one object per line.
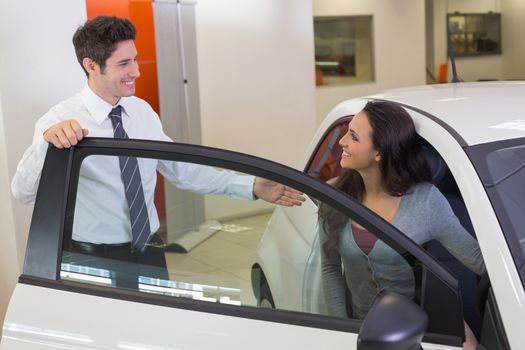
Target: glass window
{"x":204,"y":250}
{"x":343,"y":50}
{"x":325,"y":163}
{"x":312,"y":258}
{"x":475,"y":34}
{"x":213,"y":260}
{"x":505,"y":182}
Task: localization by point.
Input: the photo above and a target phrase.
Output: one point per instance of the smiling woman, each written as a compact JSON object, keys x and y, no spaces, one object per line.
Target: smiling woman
{"x":381,"y":150}
{"x":385,"y":170}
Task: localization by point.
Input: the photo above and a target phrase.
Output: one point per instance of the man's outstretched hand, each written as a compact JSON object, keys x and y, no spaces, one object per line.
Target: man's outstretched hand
{"x":276,"y":193}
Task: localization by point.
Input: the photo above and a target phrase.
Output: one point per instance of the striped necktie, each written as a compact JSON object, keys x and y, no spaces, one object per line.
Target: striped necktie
{"x":130,"y":173}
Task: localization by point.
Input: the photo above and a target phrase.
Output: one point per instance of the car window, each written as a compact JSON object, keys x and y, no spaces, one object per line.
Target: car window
{"x":507,"y":173}
{"x":233,"y":250}
{"x":501,"y":167}
{"x":324,"y":163}
{"x":202,"y":248}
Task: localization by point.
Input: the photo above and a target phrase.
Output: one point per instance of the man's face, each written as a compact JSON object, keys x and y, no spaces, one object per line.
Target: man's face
{"x":118,"y":77}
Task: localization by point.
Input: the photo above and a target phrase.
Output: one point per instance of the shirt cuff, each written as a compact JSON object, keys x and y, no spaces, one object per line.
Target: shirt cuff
{"x":242,"y":187}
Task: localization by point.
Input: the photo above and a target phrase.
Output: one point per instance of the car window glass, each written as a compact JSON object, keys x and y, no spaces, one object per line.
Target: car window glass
{"x":324,"y":164}
{"x":202,"y":246}
{"x":505,"y":180}
{"x":220,"y":249}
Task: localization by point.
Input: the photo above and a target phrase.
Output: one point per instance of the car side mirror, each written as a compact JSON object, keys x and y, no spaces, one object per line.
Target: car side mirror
{"x":393,"y":323}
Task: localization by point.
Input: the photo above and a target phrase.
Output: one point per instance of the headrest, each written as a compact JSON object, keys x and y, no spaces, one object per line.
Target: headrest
{"x":437,"y":166}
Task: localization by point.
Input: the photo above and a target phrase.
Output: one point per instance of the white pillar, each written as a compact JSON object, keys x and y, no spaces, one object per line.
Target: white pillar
{"x":38,"y":68}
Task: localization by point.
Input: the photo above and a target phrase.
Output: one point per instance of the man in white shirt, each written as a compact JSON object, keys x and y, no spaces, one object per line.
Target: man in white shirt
{"x":106,"y":52}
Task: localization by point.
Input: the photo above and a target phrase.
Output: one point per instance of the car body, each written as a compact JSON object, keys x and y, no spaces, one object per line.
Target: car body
{"x":49,"y":309}
{"x":462,"y":124}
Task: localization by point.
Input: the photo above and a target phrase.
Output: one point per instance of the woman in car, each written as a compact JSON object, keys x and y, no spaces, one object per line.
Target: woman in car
{"x":384,"y":169}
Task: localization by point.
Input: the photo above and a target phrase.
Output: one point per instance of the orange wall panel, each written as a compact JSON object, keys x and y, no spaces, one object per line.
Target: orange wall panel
{"x":146,"y":86}
{"x":140,"y":12}
{"x":119,"y":8}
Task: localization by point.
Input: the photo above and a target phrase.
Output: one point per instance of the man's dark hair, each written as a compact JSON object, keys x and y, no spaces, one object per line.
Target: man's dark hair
{"x":98,"y":37}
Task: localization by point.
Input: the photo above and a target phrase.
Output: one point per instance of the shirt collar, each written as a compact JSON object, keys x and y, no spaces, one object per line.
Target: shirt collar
{"x":96,"y":106}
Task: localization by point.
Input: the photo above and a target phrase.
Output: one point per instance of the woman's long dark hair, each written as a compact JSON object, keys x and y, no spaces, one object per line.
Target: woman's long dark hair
{"x":402,"y":163}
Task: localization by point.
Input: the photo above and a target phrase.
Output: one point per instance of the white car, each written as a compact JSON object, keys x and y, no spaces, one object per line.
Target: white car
{"x":475,"y":141}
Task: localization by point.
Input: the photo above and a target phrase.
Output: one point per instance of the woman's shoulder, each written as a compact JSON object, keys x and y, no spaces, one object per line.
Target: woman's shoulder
{"x":423,"y":192}
{"x":425,"y":201}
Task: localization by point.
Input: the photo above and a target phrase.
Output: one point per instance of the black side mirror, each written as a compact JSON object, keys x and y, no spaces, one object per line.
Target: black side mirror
{"x":393,"y":323}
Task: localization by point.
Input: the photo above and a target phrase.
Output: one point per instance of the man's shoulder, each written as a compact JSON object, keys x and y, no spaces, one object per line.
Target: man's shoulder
{"x":135,"y":102}
{"x":74,"y":103}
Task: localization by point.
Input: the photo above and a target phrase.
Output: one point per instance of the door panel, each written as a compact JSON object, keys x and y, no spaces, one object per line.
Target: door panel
{"x":173,"y":296}
{"x":82,"y":321}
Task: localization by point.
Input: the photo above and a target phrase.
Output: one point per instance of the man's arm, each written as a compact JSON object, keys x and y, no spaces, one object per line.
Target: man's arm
{"x":207,"y":180}
{"x":61,"y":134}
{"x":65,"y":134}
{"x":25,"y":182}
{"x":276,"y":193}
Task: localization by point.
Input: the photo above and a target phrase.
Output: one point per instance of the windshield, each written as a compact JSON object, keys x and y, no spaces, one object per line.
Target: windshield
{"x":501,"y":166}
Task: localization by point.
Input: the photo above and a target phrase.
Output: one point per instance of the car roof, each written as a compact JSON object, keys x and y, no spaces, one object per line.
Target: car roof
{"x":479,"y":112}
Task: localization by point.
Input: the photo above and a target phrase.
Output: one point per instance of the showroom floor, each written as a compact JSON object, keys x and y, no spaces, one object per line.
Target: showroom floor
{"x":219,"y":268}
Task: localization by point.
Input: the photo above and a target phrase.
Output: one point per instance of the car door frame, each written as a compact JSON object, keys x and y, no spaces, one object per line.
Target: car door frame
{"x":54,"y":209}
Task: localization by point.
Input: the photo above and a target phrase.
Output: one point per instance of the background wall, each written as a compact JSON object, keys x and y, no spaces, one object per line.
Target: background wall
{"x":398,"y":45}
{"x":256,"y":76}
{"x":510,"y":64}
{"x":513,"y":27}
{"x":256,"y":82}
{"x":8,"y":259}
{"x":37,"y":69}
{"x":468,"y":68}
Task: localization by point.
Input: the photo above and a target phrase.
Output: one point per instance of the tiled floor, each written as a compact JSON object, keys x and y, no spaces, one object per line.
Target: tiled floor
{"x":220,"y":267}
{"x":216,"y":270}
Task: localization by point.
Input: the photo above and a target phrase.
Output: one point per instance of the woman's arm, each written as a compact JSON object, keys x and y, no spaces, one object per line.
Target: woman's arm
{"x":446,"y":228}
{"x":332,"y":279}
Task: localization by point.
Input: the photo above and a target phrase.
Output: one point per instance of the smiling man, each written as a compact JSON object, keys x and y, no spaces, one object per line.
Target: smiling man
{"x":123,"y":224}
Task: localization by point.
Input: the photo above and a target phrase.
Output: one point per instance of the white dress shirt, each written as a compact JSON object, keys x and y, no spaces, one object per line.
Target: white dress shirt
{"x":101,"y":211}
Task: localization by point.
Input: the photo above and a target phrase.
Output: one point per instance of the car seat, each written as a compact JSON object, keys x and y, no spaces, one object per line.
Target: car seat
{"x":444,"y":181}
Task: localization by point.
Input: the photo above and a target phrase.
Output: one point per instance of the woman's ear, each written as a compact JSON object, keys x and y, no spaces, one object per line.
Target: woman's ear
{"x":377,"y":157}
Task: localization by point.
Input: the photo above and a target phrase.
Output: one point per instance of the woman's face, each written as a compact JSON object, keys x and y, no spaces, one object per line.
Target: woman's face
{"x":358,"y":150}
